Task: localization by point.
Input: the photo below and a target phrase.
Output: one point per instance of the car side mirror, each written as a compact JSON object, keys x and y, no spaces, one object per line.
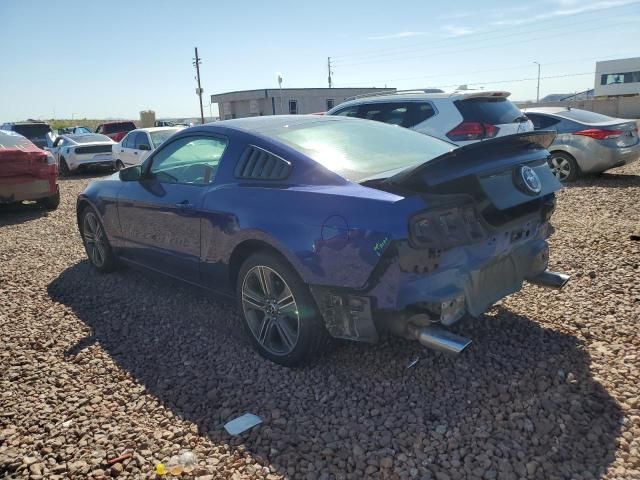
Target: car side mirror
{"x":144,"y":147}
{"x":131,"y":174}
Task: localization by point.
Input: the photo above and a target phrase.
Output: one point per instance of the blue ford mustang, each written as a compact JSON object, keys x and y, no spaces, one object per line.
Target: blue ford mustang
{"x":332,"y":227}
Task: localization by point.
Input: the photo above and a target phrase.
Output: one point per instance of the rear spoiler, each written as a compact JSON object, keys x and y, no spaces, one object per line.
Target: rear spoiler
{"x":495,"y":147}
{"x":491,"y":94}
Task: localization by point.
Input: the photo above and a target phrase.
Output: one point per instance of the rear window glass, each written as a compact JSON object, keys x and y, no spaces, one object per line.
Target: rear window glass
{"x":488,"y":110}
{"x":585,"y":116}
{"x":10,"y":139}
{"x":357,"y":150}
{"x":30,"y":130}
{"x":89,"y":138}
{"x":119,"y":127}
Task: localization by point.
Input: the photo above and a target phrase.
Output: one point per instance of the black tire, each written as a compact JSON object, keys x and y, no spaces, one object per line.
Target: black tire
{"x":119,"y":165}
{"x":564,"y":166}
{"x":312,"y":336}
{"x":96,"y":244}
{"x":63,"y":168}
{"x":52,"y":202}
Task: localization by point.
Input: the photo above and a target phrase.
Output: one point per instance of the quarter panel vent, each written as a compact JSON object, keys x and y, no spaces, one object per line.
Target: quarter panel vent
{"x":256,"y":163}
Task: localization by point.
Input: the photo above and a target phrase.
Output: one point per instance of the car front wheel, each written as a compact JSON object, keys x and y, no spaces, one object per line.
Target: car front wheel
{"x":119,"y":165}
{"x":96,"y":243}
{"x":279,"y":313}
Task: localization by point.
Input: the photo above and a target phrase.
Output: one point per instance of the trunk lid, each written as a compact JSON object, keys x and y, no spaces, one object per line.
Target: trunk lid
{"x":500,"y":174}
{"x":18,"y":156}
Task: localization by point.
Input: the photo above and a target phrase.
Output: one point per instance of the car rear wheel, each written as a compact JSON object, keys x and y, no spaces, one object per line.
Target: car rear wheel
{"x":564,"y":166}
{"x":52,"y":202}
{"x":119,"y":165}
{"x":63,"y":168}
{"x":279,"y":313}
{"x":96,"y":243}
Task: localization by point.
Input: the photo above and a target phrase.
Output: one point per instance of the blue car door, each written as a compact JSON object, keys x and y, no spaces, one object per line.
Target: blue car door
{"x":160,"y":214}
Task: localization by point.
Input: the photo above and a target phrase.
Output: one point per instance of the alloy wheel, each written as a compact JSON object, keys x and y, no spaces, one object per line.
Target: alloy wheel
{"x":561,"y":167}
{"x":271,"y":310}
{"x":94,"y":239}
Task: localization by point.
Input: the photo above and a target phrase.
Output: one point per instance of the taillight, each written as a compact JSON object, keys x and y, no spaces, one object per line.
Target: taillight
{"x":445,"y":228}
{"x":472,"y":131}
{"x":599,"y":133}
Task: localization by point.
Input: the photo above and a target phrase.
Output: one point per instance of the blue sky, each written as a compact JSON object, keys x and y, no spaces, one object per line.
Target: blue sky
{"x":115,"y":58}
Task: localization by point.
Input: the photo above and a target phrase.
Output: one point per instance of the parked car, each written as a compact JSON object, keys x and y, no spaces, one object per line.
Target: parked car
{"x":116,"y":130}
{"x":164,"y":123}
{"x":26,"y":172}
{"x":138,"y":144}
{"x":328,"y":226}
{"x":78,"y":152}
{"x":38,"y":133}
{"x":459,"y":117}
{"x":586,"y":142}
{"x":73,"y":130}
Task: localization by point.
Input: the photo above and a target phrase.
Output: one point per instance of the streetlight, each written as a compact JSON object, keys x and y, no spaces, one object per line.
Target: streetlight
{"x":538,"y":90}
{"x":280,"y":87}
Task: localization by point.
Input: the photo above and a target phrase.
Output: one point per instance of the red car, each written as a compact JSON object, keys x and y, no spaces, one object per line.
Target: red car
{"x":116,"y":130}
{"x":27,"y":172}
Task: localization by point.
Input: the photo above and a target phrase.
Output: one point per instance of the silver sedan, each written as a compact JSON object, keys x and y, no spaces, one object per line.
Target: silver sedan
{"x":587,"y":142}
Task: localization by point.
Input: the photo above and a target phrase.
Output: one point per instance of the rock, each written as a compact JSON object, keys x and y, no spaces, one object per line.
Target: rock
{"x":386,"y":462}
{"x":116,"y":469}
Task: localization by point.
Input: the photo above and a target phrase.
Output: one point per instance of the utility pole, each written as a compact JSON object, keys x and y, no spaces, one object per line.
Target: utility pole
{"x":538,"y":89}
{"x":329,"y":71}
{"x":196,"y":62}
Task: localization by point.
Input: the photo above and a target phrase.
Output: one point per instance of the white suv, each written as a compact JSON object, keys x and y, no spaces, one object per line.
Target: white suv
{"x":458,"y":117}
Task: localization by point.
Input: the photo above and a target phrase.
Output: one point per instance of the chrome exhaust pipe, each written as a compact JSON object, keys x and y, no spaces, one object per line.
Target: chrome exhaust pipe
{"x":439,"y":339}
{"x":549,"y":279}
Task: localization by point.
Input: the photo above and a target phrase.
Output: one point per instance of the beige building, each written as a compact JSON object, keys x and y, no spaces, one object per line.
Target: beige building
{"x":275,"y":101}
{"x":617,"y":77}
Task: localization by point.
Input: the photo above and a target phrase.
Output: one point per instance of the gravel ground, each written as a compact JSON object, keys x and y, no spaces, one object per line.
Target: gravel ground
{"x":96,"y":366}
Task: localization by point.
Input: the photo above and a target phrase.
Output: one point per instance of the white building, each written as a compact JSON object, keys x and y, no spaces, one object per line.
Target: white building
{"x":617,"y":77}
{"x":275,"y":101}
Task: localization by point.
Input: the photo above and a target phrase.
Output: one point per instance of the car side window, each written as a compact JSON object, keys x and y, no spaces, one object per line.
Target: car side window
{"x":99,"y":129}
{"x":126,"y":141}
{"x":141,"y":139}
{"x":418,"y":113}
{"x":189,"y":160}
{"x":540,"y":122}
{"x":395,"y":113}
{"x":348,"y":112}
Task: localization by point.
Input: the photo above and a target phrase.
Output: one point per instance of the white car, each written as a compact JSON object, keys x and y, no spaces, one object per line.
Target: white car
{"x":77,"y":152}
{"x":458,"y":117}
{"x":138,"y":144}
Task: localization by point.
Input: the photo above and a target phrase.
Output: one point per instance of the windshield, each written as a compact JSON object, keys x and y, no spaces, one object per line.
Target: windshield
{"x":31,"y":130}
{"x":161,"y":136}
{"x":119,"y":127}
{"x":360,"y":149}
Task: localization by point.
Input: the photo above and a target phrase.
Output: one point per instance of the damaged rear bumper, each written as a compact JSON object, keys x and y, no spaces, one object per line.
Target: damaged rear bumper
{"x":462,"y":280}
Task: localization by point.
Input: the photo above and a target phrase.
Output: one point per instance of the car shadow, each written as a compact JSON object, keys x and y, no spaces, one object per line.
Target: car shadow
{"x":521,"y":399}
{"x":606,"y":180}
{"x":86,"y":175}
{"x":16,"y":213}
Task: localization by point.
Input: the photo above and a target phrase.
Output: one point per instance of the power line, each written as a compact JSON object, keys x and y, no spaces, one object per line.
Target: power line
{"x":481,"y":47}
{"x":527,"y":65}
{"x":471,"y":36}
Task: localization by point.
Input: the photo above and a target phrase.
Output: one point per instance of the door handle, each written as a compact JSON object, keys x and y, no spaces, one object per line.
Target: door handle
{"x":185,"y":205}
{"x":135,"y":153}
{"x":121,"y":151}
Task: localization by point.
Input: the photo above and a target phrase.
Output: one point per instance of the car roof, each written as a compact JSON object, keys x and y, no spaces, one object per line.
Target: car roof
{"x":416,"y":96}
{"x":117,"y":121}
{"x":156,"y":129}
{"x":263,"y":124}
